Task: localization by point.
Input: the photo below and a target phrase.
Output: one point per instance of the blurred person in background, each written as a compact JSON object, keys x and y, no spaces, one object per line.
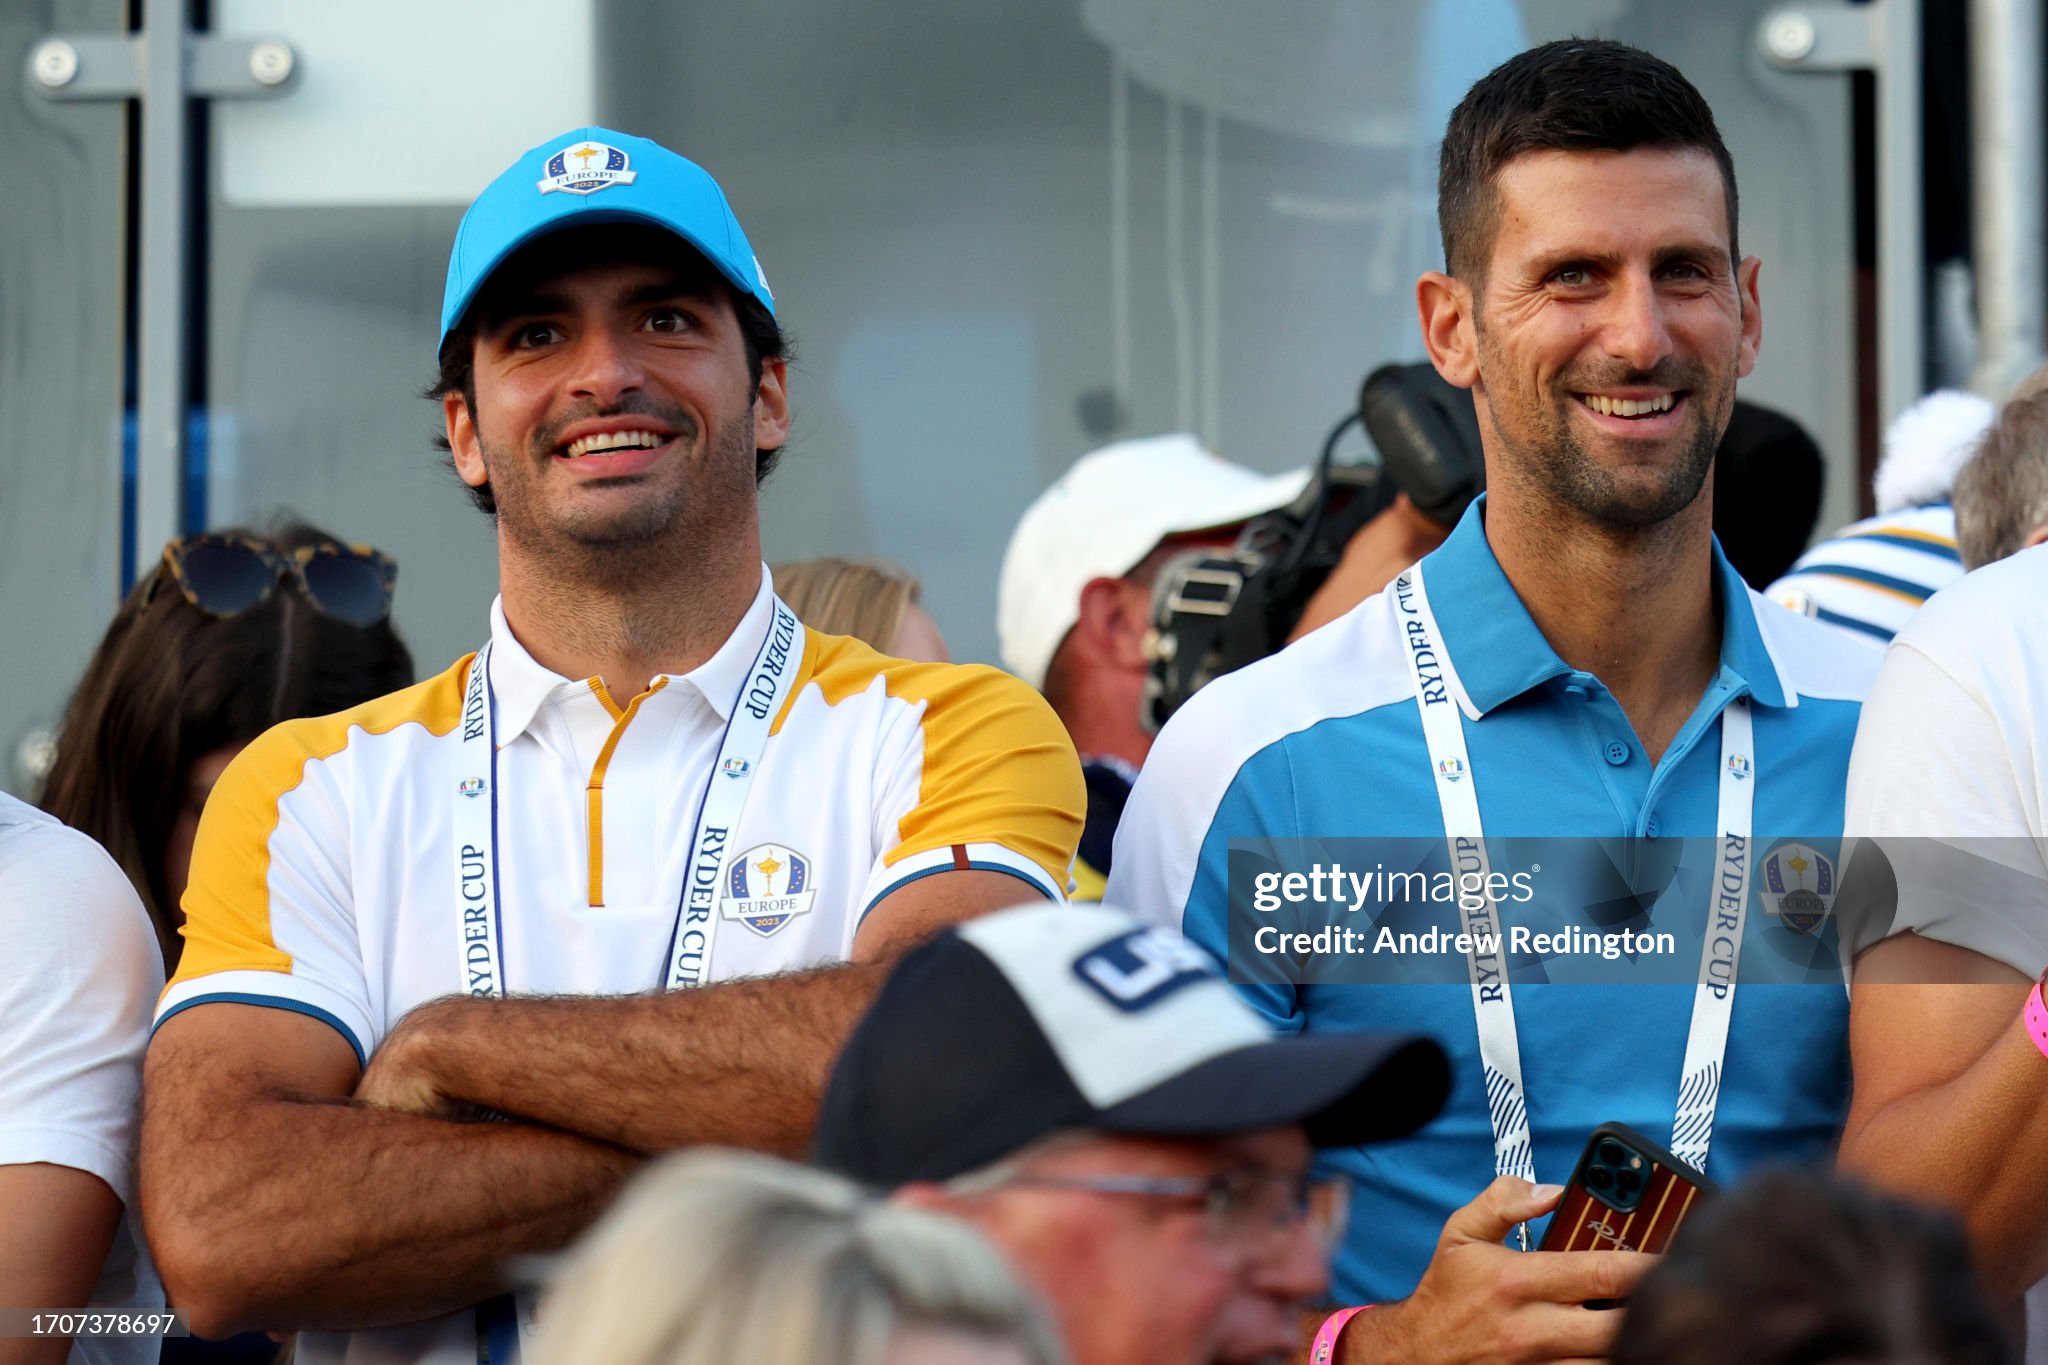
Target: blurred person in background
{"x":712,"y":1257}
{"x":231,"y":633}
{"x":1801,"y":1267}
{"x":78,"y":976}
{"x":1871,"y":576}
{"x":876,"y":604}
{"x":1091,"y":1094}
{"x":1074,"y":603}
{"x":2001,"y":495}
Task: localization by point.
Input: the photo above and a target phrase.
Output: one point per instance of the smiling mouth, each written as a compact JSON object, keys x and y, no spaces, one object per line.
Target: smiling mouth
{"x":611,"y":442}
{"x":1629,"y":407}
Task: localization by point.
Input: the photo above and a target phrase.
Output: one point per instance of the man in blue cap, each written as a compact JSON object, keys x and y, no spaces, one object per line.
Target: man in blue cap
{"x":530,"y":887}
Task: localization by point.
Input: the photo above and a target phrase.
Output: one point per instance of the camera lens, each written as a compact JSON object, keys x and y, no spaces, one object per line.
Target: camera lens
{"x":1613,"y":1153}
{"x":1627,"y":1182}
{"x":1598,"y":1178}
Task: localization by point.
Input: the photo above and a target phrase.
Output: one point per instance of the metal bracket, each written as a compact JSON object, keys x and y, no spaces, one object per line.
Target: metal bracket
{"x":105,"y":66}
{"x":1822,"y":37}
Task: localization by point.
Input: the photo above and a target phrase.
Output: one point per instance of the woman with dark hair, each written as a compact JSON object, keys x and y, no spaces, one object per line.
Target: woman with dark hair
{"x":230,"y":634}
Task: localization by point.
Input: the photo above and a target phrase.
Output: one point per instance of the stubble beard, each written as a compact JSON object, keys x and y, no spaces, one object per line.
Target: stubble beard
{"x":678,"y":517}
{"x":1551,"y":455}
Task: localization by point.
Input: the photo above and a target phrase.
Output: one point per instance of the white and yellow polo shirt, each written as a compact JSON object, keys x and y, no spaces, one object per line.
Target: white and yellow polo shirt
{"x":322,"y":879}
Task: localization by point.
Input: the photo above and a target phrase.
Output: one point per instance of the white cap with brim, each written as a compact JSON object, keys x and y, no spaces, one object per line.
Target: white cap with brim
{"x":1102,"y":517}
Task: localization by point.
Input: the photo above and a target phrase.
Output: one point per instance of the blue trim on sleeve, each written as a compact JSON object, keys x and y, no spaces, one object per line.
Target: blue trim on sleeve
{"x":276,"y":1002}
{"x":1836,"y":618}
{"x":1919,"y":592}
{"x":893,"y":887}
{"x":1937,"y":549}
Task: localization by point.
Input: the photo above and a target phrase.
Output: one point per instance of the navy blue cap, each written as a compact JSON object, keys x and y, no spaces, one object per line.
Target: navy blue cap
{"x":596,"y":175}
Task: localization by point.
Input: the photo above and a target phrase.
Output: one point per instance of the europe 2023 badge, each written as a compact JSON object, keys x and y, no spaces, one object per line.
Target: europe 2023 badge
{"x":1799,"y":887}
{"x":768,"y":886}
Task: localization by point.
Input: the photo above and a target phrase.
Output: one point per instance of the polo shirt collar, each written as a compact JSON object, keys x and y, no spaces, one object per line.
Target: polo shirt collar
{"x":1498,"y":653}
{"x":520,"y":685}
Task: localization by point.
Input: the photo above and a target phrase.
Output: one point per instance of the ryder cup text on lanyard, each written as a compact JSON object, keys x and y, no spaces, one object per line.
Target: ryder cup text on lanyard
{"x":1500,"y":1050}
{"x":687,"y":961}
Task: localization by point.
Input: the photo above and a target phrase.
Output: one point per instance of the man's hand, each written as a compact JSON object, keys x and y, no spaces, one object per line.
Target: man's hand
{"x":1479,"y":1301}
{"x":401,"y":1074}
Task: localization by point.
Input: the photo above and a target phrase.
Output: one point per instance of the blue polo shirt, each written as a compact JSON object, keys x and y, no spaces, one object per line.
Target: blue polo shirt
{"x":1323,"y":741}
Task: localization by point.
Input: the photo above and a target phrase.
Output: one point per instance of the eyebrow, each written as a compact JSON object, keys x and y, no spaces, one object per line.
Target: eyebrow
{"x":540,"y":302}
{"x":1608,"y":260}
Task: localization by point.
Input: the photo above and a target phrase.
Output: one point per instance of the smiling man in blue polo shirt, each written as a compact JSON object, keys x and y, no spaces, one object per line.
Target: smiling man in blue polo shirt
{"x":1578,"y":664}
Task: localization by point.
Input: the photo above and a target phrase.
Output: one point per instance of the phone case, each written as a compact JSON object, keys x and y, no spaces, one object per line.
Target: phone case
{"x":1634,"y":1204}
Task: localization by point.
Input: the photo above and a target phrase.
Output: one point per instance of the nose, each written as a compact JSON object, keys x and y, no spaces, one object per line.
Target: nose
{"x":605,"y":366}
{"x":1636,"y":330}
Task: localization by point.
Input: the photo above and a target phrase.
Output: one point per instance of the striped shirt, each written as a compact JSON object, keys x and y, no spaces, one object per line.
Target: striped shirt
{"x":1871,"y":576}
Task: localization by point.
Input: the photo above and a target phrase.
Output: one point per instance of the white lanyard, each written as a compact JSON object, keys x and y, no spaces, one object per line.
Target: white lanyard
{"x":687,"y":961}
{"x":688,"y":958}
{"x":1500,"y":1049}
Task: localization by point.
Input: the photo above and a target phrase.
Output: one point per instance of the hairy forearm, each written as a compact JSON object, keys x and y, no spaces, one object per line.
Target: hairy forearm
{"x":1972,"y":1144}
{"x":285,"y":1214}
{"x":740,"y":1063}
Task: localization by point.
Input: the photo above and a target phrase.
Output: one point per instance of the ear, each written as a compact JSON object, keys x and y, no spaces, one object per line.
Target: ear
{"x":1444,"y":304}
{"x":771,"y":405}
{"x":463,"y":444}
{"x":1116,"y":616}
{"x":2037,"y":536}
{"x":1751,"y":300}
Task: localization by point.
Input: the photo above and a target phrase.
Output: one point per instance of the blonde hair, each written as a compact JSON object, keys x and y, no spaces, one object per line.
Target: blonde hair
{"x":848,"y":597}
{"x":715,"y":1256}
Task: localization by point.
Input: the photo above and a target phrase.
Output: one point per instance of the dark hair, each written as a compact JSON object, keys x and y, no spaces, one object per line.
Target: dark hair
{"x":2001,"y":493}
{"x":1574,"y":95}
{"x":1804,"y":1268}
{"x":170,"y":683}
{"x":762,"y":335}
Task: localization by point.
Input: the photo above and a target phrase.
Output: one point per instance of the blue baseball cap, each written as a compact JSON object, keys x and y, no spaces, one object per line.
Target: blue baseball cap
{"x":596,"y":175}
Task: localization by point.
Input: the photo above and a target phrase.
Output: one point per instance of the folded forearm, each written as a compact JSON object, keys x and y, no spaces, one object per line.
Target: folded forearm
{"x":739,"y":1064}
{"x":296,"y":1215}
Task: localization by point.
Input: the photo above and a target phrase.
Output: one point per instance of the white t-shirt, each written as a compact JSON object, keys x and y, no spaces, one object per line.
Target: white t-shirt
{"x":1949,"y":772}
{"x":78,"y":978}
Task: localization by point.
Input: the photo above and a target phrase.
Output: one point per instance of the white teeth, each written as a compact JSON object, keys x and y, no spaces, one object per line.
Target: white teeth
{"x":1628,"y":407}
{"x":614,"y":440}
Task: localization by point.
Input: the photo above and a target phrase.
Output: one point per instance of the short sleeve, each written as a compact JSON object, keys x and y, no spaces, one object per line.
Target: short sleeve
{"x":981,"y":777}
{"x":82,"y":967}
{"x":269,"y":914}
{"x":1937,"y":798}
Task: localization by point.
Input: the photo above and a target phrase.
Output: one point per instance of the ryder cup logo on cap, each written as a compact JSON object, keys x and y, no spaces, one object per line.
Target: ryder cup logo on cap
{"x":587,"y":177}
{"x":586,"y":168}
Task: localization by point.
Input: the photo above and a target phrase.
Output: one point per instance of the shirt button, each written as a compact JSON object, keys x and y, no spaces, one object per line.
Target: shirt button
{"x":1617,"y":753}
{"x":1653,"y":827}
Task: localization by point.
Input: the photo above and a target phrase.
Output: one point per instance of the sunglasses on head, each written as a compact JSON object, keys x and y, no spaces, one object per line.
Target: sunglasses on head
{"x":226,"y":575}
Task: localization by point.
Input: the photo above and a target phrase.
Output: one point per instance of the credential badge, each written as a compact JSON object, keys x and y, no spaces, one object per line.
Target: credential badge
{"x":586,"y":168}
{"x":1799,"y":886}
{"x":768,"y":886}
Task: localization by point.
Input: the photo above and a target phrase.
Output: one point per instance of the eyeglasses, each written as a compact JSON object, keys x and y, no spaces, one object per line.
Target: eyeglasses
{"x":1247,"y":1209}
{"x":226,"y":575}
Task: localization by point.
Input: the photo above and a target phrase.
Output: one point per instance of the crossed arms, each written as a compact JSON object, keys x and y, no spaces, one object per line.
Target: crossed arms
{"x":259,"y":1120}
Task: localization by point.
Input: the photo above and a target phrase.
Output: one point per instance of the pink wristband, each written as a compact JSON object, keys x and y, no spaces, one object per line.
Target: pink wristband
{"x":1325,"y":1348}
{"x":2035,"y":1017}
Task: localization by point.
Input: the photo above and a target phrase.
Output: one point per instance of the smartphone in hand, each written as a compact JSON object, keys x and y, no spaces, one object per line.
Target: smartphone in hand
{"x":1627,"y":1194}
